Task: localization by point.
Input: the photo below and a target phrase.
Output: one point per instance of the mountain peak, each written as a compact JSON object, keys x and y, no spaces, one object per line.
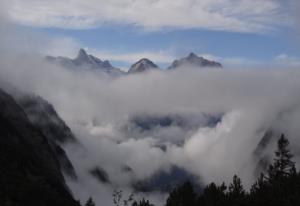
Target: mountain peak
{"x":83,"y":60}
{"x":192,"y":55}
{"x":192,"y":60}
{"x":142,"y":65}
{"x":82,"y":54}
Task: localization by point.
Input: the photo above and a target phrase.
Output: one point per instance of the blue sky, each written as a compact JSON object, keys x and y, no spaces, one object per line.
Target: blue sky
{"x":233,"y":32}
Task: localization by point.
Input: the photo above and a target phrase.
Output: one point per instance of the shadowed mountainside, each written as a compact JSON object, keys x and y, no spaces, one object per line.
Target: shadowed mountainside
{"x":30,"y":172}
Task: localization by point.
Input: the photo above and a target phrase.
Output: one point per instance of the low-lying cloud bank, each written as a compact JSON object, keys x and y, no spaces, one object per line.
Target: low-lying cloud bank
{"x":100,"y":110}
{"x":208,"y":122}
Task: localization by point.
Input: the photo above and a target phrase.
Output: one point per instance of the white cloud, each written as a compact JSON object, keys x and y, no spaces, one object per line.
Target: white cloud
{"x":234,"y":61}
{"x":68,"y":46}
{"x":229,"y":15}
{"x":155,"y":56}
{"x":284,"y":59}
{"x":61,"y":46}
{"x":281,"y":60}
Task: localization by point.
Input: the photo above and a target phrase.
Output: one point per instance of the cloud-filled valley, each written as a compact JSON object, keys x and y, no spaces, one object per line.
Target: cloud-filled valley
{"x":144,"y":129}
{"x":206,"y":121}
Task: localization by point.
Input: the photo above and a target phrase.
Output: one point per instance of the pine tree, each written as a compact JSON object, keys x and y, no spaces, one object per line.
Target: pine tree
{"x":142,"y":202}
{"x":283,"y":166}
{"x":213,"y":195}
{"x":236,"y":193}
{"x":183,"y":195}
{"x":236,"y":188}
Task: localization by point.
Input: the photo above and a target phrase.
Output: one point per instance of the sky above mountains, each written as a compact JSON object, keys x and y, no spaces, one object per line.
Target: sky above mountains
{"x":234,"y":32}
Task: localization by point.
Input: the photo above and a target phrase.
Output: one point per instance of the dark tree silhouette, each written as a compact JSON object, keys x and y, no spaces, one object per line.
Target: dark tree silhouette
{"x":142,"y":202}
{"x":182,"y":196}
{"x":283,"y":166}
{"x":236,"y":188}
{"x":279,"y":187}
{"x":213,"y":195}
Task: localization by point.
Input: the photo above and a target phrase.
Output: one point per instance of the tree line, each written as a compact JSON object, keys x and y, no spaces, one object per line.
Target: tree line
{"x":278,"y":186}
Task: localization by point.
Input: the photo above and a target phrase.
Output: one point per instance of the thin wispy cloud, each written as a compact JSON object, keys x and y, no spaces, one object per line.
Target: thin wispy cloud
{"x":131,"y":57}
{"x":229,"y":15}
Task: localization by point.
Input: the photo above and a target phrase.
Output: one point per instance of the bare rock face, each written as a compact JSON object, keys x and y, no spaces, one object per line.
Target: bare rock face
{"x":43,"y":116}
{"x":30,"y":172}
{"x":192,"y":60}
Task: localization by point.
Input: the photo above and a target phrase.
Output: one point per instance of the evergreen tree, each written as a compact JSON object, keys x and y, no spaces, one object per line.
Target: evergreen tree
{"x":236,"y":193}
{"x":182,"y":196}
{"x":142,"y":202}
{"x":236,"y":188}
{"x":213,"y":195}
{"x":280,"y":187}
{"x":283,"y":166}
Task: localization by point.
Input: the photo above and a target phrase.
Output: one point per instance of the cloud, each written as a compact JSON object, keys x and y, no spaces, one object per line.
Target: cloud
{"x":227,"y":15}
{"x":284,"y":59}
{"x":68,"y":46}
{"x":159,"y":57}
{"x":99,"y":111}
{"x":234,"y":61}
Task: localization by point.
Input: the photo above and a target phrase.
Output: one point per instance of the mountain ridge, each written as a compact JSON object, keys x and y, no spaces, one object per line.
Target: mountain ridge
{"x":85,"y":60}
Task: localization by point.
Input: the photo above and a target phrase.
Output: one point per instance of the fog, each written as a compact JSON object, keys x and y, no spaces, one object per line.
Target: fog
{"x":99,"y":110}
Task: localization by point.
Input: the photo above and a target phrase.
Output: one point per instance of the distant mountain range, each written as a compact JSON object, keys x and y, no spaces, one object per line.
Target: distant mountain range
{"x":87,"y":61}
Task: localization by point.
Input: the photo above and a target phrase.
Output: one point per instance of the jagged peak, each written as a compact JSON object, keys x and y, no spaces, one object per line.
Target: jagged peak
{"x":145,"y":61}
{"x":192,"y":55}
{"x":194,"y":60}
{"x":142,"y":65}
{"x":82,"y":54}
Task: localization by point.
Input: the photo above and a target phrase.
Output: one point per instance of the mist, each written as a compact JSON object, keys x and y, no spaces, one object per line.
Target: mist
{"x":100,"y":109}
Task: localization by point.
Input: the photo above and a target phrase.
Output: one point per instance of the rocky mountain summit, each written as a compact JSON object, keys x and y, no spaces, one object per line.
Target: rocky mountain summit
{"x":192,"y":60}
{"x":143,"y":65}
{"x":85,"y":61}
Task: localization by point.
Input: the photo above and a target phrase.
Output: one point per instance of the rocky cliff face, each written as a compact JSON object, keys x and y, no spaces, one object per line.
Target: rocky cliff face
{"x":30,"y":172}
{"x":43,"y":116}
